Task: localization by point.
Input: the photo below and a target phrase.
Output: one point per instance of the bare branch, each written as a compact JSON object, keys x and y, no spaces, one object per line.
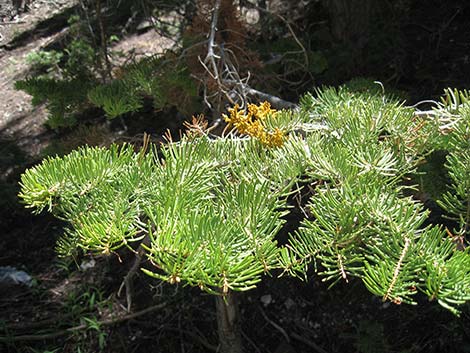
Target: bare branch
{"x":275,"y":101}
{"x":81,"y":327}
{"x":289,"y":27}
{"x":211,"y":42}
{"x":222,"y":67}
{"x":276,"y":326}
{"x":129,"y":278}
{"x":309,"y":343}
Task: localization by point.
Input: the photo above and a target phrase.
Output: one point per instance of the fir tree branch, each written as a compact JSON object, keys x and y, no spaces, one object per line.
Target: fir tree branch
{"x":341,"y":267}
{"x":396,"y":272}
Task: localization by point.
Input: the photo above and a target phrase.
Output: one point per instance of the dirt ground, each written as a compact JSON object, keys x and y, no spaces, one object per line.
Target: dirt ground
{"x":30,"y":31}
{"x":19,"y":121}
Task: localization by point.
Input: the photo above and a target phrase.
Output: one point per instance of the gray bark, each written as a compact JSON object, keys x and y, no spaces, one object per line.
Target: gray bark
{"x":228,"y":322}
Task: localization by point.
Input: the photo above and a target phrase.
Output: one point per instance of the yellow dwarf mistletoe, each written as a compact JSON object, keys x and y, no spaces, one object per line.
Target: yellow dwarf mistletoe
{"x":252,"y":122}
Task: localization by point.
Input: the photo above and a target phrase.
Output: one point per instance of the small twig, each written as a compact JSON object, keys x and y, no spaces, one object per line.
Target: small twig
{"x":182,"y":350}
{"x":128,"y":279}
{"x":289,"y":27}
{"x":211,"y":42}
{"x":4,"y":23}
{"x":443,"y":28}
{"x":222,"y":68}
{"x":104,"y":42}
{"x":81,"y":327}
{"x":275,"y":101}
{"x":201,"y":340}
{"x":426,"y":112}
{"x":276,"y":326}
{"x":426,"y":101}
{"x":341,"y":267}
{"x":309,"y":343}
{"x":250,"y":341}
{"x":90,"y":27}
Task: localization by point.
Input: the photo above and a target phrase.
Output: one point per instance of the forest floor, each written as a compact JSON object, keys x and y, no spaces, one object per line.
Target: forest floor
{"x":28,"y":32}
{"x":20,"y":35}
{"x":73,"y":306}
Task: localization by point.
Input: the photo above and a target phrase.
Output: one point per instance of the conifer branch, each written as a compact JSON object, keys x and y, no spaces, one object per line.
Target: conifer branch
{"x":397,"y":270}
{"x":215,"y":205}
{"x":341,"y":267}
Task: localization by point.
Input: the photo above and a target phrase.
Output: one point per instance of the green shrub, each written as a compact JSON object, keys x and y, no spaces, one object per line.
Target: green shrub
{"x":211,"y":208}
{"x":44,"y":61}
{"x":63,"y":98}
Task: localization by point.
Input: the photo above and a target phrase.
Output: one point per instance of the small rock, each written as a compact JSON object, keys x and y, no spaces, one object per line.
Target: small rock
{"x":252,"y":16}
{"x":385,"y":305}
{"x":85,"y":265}
{"x":289,"y":303}
{"x":266,"y":299}
{"x":11,"y":275}
{"x":144,"y":26}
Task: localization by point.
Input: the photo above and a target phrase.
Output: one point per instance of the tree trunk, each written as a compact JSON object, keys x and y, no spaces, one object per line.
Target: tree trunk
{"x":350,"y":24}
{"x":228,"y":322}
{"x":105,"y":63}
{"x":350,"y":19}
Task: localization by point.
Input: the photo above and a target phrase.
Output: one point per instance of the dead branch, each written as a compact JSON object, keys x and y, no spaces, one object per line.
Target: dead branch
{"x":210,"y":57}
{"x":222,"y":67}
{"x":201,"y":340}
{"x":128,"y":280}
{"x":5,"y":23}
{"x":275,"y":101}
{"x":38,"y":324}
{"x":90,"y":27}
{"x":289,"y":27}
{"x":276,"y":326}
{"x":104,"y":42}
{"x":309,"y":343}
{"x":81,"y":327}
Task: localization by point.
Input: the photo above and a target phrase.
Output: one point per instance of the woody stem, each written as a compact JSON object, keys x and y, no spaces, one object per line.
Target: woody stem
{"x":228,"y":322}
